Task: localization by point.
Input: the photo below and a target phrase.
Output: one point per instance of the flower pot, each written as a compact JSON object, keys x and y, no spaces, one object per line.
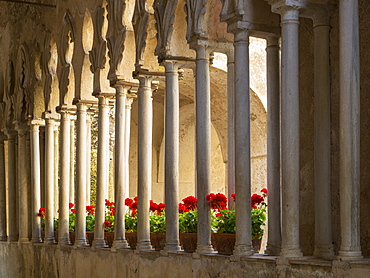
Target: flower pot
{"x":188,"y":242}
{"x":89,"y":237}
{"x":158,"y":241}
{"x":224,"y":243}
{"x":131,"y":239}
{"x":109,"y":238}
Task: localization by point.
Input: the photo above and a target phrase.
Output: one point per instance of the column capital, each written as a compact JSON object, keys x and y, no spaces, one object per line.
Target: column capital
{"x":22,"y":128}
{"x":280,"y":6}
{"x":51,"y":116}
{"x":36,"y":122}
{"x":321,"y":18}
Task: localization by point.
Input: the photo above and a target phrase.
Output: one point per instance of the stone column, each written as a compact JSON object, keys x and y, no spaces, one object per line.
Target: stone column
{"x":56,"y":167}
{"x":120,"y":169}
{"x":42,"y":164}
{"x":49,"y":178}
{"x":171,"y":156}
{"x":273,"y":146}
{"x":230,"y":127}
{"x":323,"y":230}
{"x":88,"y":159}
{"x":349,"y":127}
{"x":12,"y":187}
{"x":22,"y":181}
{"x":203,"y":145}
{"x":102,"y":176}
{"x":72,"y":185}
{"x":36,"y":180}
{"x":65,"y":165}
{"x":81,"y":176}
{"x":145,"y":129}
{"x":290,"y":132}
{"x":243,"y":244}
{"x":3,"y":235}
{"x":129,"y":100}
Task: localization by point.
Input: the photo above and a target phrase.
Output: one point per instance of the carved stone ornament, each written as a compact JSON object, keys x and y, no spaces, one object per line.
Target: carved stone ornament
{"x":232,"y":9}
{"x":140,"y":22}
{"x":165,"y":13}
{"x":66,"y":38}
{"x":9,"y":96}
{"x":2,"y":103}
{"x":195,"y":11}
{"x":22,"y":109}
{"x":97,"y":54}
{"x":116,"y":36}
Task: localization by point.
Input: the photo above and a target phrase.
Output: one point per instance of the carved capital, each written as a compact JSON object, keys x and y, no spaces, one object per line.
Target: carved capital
{"x":195,"y":16}
{"x":140,"y":22}
{"x":164,"y":12}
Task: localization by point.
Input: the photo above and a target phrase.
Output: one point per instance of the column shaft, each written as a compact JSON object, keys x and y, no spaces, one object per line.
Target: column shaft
{"x":203,"y":147}
{"x":120,"y":169}
{"x":3,"y":235}
{"x":290,"y":133}
{"x":81,"y":176}
{"x":323,"y":230}
{"x":145,"y":128}
{"x":102,"y":176}
{"x":72,"y":185}
{"x":88,"y":160}
{"x":273,"y":146}
{"x":129,"y":101}
{"x":230,"y":127}
{"x":65,"y":160}
{"x":22,"y":183}
{"x":12,"y":189}
{"x":171,"y":154}
{"x":349,"y":127}
{"x":243,"y":244}
{"x":49,"y":179}
{"x":36,"y":182}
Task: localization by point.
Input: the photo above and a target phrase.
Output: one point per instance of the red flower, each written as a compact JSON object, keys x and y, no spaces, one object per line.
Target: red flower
{"x":190,"y":202}
{"x":233,"y":196}
{"x":256,"y":200}
{"x":73,"y":210}
{"x":71,"y":205}
{"x":136,"y":199}
{"x":264,"y":192}
{"x":107,"y":223}
{"x":128,"y":201}
{"x":42,"y":212}
{"x":90,"y":210}
{"x":218,"y":214}
{"x":182,"y":208}
{"x":217,"y":201}
{"x":153,"y":206}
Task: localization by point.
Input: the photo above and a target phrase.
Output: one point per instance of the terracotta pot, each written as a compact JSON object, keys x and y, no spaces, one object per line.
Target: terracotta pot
{"x":188,"y":242}
{"x":109,"y":238}
{"x":158,"y":241}
{"x":131,"y":239}
{"x":89,"y":237}
{"x":225,"y":243}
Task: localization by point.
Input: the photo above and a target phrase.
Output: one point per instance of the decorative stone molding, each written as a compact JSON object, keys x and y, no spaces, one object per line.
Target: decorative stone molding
{"x":232,"y":9}
{"x":116,"y":36}
{"x":165,"y":14}
{"x":140,"y":21}
{"x":97,"y":54}
{"x":9,"y":96}
{"x":23,"y":96}
{"x":195,"y":11}
{"x":67,"y":37}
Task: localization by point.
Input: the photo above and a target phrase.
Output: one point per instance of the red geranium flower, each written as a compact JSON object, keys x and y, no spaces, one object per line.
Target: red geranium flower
{"x":42,"y":212}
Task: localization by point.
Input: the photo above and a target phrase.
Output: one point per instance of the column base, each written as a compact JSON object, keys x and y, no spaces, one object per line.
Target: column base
{"x":291,"y":253}
{"x":273,"y":249}
{"x":36,"y":240}
{"x":49,"y":241}
{"x":23,"y":240}
{"x":144,"y":246}
{"x":172,"y":247}
{"x":3,"y":238}
{"x":99,"y":243}
{"x":243,"y":250}
{"x":120,"y":244}
{"x":324,"y":252}
{"x":81,"y":243}
{"x":204,"y":249}
{"x":350,"y":255}
{"x":64,"y":241}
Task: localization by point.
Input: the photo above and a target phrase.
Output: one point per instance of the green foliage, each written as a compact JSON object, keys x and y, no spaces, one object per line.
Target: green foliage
{"x":131,"y":223}
{"x":72,"y":221}
{"x":224,"y":222}
{"x":188,"y":221}
{"x":258,"y":220}
{"x":90,"y":222}
{"x":158,"y":223}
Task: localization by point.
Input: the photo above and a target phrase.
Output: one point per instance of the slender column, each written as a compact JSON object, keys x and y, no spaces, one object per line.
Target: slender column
{"x":171,"y":154}
{"x":22,"y":183}
{"x":72,"y":162}
{"x":129,"y":100}
{"x":102,"y":175}
{"x":56,"y":167}
{"x":29,"y":191}
{"x":12,"y":188}
{"x":145,"y":129}
{"x":49,"y":178}
{"x":230,"y":127}
{"x":3,"y":235}
{"x":323,"y":230}
{"x":243,"y":243}
{"x":88,"y":159}
{"x":81,"y":176}
{"x":36,"y":180}
{"x":65,"y":160}
{"x":273,"y":146}
{"x":290,"y":133}
{"x":120,"y":169}
{"x":203,"y":146}
{"x":349,"y":127}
